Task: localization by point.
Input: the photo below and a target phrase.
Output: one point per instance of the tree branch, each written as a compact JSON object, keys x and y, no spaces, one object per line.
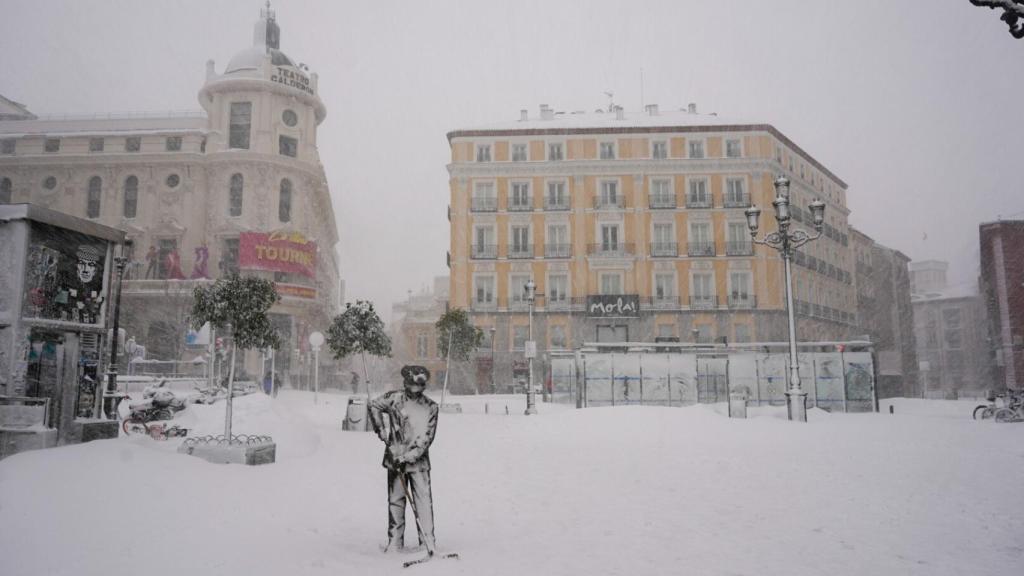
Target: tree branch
{"x":1013,"y":13}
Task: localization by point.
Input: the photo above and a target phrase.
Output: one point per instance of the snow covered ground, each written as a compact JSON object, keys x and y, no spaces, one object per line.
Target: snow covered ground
{"x":627,"y":490}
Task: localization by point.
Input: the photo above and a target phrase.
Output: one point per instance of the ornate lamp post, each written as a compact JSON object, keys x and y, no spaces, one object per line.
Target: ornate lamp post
{"x":120,"y":262}
{"x":493,"y":330}
{"x":531,"y":347}
{"x":785,"y":242}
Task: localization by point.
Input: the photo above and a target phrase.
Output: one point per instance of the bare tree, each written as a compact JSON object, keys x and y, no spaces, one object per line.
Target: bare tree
{"x":1013,"y":13}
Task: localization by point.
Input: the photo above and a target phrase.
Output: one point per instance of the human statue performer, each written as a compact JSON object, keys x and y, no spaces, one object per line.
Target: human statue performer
{"x":406,"y":421}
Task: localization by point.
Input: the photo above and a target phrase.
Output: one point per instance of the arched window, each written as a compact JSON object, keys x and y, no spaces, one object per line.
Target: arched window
{"x":131,"y":197}
{"x":235,"y":205}
{"x":92,"y":207}
{"x":284,"y":203}
{"x":5,"y":191}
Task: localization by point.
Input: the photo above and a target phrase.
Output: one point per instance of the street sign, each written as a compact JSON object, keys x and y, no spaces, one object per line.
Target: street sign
{"x":316,"y":339}
{"x":531,"y":349}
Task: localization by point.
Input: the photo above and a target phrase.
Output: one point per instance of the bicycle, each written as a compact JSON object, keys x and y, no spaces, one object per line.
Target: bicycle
{"x":986,"y":411}
{"x":1014,"y":410}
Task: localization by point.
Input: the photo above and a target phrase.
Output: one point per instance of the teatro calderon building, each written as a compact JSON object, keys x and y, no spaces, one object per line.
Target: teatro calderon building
{"x":236,"y":187}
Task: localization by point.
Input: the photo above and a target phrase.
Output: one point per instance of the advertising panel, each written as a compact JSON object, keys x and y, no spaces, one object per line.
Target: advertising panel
{"x":288,"y":252}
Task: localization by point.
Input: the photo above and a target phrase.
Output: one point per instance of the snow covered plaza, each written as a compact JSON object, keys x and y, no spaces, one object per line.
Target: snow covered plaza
{"x":625,"y":490}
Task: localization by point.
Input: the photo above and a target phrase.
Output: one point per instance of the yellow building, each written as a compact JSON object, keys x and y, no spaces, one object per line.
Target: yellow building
{"x":632,"y":228}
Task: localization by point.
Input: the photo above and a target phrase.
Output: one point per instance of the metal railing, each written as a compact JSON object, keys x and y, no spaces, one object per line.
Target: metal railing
{"x":744,"y":248}
{"x":700,"y":249}
{"x":703,"y":302}
{"x":736,"y":200}
{"x":483,"y":251}
{"x":662,"y":201}
{"x":698,"y":201}
{"x":484,"y":204}
{"x":663,"y":302}
{"x":664,"y":249}
{"x":606,"y":202}
{"x":617,"y":249}
{"x":741,"y":301}
{"x":523,"y":206}
{"x":520,"y":251}
{"x":558,"y":250}
{"x":562,"y":204}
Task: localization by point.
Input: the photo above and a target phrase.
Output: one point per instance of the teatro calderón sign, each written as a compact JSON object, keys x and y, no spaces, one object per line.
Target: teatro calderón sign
{"x":291,"y":77}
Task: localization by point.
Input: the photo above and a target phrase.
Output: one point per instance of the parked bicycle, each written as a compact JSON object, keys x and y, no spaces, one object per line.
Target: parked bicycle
{"x":1008,"y":405}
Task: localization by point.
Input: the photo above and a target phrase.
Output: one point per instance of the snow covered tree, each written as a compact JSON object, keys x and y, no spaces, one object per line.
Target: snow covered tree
{"x":1013,"y":13}
{"x":456,"y":338}
{"x":358,"y":330}
{"x":237,"y":306}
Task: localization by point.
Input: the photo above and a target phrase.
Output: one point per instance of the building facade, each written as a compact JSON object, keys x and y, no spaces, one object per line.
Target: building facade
{"x":414,"y":333}
{"x":235,"y":187}
{"x":953,"y":348}
{"x":885,"y":315}
{"x":632,"y":228}
{"x":1002,"y":285}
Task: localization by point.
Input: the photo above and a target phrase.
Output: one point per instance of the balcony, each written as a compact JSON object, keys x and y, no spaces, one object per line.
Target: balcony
{"x":698,"y":201}
{"x":742,"y":301}
{"x":556,"y":204}
{"x":558,"y":250}
{"x":522,"y":205}
{"x":742,"y":248}
{"x":737,"y":200}
{"x":616,"y":202}
{"x":703,"y":302}
{"x":556,"y":302}
{"x":665,"y":302}
{"x":483,"y":251}
{"x":662,"y":201}
{"x":664,"y":249}
{"x":618,"y":249}
{"x":520,"y":251}
{"x":698,"y":248}
{"x":484,"y":305}
{"x":484,"y":204}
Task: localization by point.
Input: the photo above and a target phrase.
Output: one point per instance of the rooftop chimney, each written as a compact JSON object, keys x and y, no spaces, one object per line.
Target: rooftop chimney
{"x":691,"y":107}
{"x":620,"y":114}
{"x":651,"y":109}
{"x":523,"y":117}
{"x":546,"y":113}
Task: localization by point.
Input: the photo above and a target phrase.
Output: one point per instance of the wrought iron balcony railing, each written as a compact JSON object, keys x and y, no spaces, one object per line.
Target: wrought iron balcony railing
{"x":609,"y":249}
{"x":520,"y":206}
{"x":703,"y":301}
{"x":609,"y":202}
{"x":741,"y":301}
{"x":558,"y":250}
{"x":556,"y":204}
{"x":664,"y":249}
{"x":736,"y":200}
{"x":700,"y":249}
{"x":484,"y":204}
{"x":743,"y":248}
{"x":662,"y":201}
{"x":698,"y":201}
{"x":483,"y":251}
{"x":520,"y":251}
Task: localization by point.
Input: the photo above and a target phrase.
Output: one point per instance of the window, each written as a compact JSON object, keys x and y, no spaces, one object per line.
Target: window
{"x":519,"y":336}
{"x":7,"y":146}
{"x":229,"y":256}
{"x":172,"y":144}
{"x":696,"y":148}
{"x":284,"y":201}
{"x":698,"y":196}
{"x":610,"y":238}
{"x":664,"y":287}
{"x":611,"y":283}
{"x":557,"y":241}
{"x":735,"y":195}
{"x":702,"y":286}
{"x":52,"y":145}
{"x":131,"y":197}
{"x":520,"y":246}
{"x":659,"y":150}
{"x":558,"y":289}
{"x":132,"y":144}
{"x":484,"y":246}
{"x":738,"y":239}
{"x":240,"y":123}
{"x":290,"y":118}
{"x":92,"y":207}
{"x":95,"y":144}
{"x":485,"y":199}
{"x":172,"y":180}
{"x":287,"y":146}
{"x":741,"y":333}
{"x":6,"y":190}
{"x":484,"y":292}
{"x":483,"y":152}
{"x":555,"y":151}
{"x":517,"y":288}
{"x":664,"y":239}
{"x":519,"y":198}
{"x":739,"y":286}
{"x":558,"y":336}
{"x":607,"y":150}
{"x":610,"y":193}
{"x":666,"y":331}
{"x":422,"y":345}
{"x":519,"y":152}
{"x":50,"y":182}
{"x":700,"y":239}
{"x":733,"y":148}
{"x":557,"y":199}
{"x":235,"y":196}
{"x":661,"y":194}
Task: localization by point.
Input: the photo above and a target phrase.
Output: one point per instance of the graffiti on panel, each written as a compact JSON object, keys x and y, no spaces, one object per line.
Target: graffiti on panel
{"x":64,"y":276}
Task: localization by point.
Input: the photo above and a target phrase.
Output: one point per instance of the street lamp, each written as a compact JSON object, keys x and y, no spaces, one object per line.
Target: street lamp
{"x":120,"y":262}
{"x":785,"y":242}
{"x":316,"y":340}
{"x":530,"y":293}
{"x":493,"y":330}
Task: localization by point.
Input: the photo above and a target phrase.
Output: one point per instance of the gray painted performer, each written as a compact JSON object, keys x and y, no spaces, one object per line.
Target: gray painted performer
{"x":407,"y":433}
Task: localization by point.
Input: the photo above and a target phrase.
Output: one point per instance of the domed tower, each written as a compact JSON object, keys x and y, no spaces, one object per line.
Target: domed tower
{"x":268,"y":209}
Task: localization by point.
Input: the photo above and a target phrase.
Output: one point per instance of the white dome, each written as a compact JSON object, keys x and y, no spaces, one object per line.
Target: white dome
{"x":248,"y":59}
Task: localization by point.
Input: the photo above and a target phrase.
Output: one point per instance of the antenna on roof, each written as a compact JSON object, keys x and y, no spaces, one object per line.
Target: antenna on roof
{"x":611,"y":101}
{"x":642,"y":88}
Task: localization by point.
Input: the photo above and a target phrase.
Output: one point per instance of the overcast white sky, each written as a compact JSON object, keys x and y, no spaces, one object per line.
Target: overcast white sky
{"x":916,"y":104}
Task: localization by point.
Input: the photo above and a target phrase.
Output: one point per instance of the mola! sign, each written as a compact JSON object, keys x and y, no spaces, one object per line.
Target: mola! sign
{"x":288,"y":252}
{"x":614,"y":305}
